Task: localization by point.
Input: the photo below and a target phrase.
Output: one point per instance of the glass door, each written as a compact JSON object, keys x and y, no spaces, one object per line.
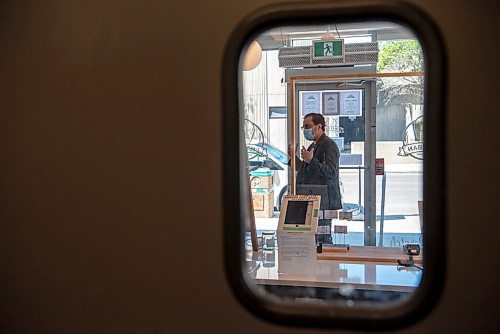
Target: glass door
{"x":348,"y":107}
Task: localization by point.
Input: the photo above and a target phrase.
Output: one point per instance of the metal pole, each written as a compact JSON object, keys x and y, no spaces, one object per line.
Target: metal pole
{"x":359,"y":188}
{"x":382,"y":209}
{"x":292,"y":115}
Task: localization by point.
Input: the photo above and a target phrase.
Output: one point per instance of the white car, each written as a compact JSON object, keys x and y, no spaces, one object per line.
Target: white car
{"x":263,"y":155}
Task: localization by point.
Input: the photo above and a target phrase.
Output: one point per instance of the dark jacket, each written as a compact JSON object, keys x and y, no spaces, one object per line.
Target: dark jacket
{"x":323,"y":169}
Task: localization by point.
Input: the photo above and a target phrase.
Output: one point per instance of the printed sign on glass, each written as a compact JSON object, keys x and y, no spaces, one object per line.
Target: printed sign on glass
{"x":379,"y":166}
{"x":310,"y":102}
{"x":351,"y":159}
{"x":413,"y":141}
{"x":350,"y":103}
{"x":340,"y":142}
{"x":331,"y":103}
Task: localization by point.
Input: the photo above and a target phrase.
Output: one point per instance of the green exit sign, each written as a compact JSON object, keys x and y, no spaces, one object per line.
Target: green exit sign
{"x":328,"y":49}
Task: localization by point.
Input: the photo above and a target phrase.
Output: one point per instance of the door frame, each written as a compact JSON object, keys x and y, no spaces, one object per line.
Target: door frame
{"x":296,"y":81}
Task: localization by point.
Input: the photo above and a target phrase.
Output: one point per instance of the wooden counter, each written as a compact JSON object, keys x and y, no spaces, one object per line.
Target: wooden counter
{"x":368,"y":254}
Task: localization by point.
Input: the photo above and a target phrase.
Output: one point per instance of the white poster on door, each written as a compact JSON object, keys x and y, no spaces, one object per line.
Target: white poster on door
{"x":310,"y":102}
{"x":350,"y":103}
{"x":331,"y":103}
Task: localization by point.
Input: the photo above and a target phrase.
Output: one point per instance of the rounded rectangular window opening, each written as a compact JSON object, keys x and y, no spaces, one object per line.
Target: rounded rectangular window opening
{"x":350,"y":228}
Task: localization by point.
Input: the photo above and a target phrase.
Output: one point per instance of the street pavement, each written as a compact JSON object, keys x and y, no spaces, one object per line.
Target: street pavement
{"x":401,"y":219}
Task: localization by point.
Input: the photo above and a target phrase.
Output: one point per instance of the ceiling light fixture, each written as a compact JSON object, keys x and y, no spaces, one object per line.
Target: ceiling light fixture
{"x":328,"y":36}
{"x":253,"y":56}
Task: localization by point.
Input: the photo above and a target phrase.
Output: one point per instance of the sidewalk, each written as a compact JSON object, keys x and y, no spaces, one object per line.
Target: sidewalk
{"x":392,"y":168}
{"x":404,"y":168}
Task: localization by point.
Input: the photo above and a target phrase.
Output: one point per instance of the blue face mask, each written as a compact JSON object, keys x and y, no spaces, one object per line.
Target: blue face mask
{"x":308,"y":133}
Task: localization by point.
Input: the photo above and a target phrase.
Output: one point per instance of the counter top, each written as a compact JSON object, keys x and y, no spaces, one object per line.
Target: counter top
{"x":326,"y":273}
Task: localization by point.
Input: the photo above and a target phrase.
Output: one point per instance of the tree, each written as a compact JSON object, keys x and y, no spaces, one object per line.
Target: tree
{"x":401,"y":56}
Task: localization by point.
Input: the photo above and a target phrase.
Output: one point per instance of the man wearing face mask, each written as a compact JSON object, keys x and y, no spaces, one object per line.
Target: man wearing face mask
{"x":318,"y":171}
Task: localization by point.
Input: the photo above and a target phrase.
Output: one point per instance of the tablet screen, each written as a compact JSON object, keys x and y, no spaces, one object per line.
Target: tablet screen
{"x":296,"y":212}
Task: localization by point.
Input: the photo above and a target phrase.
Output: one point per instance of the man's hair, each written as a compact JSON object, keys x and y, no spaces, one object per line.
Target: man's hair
{"x":317,"y":119}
